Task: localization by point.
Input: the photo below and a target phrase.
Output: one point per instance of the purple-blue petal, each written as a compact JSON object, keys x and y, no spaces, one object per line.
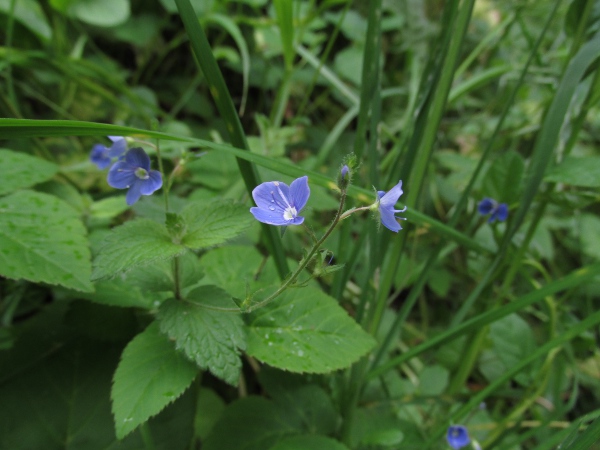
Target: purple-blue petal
{"x":118,"y":148}
{"x":344,"y":171}
{"x":133,"y":194}
{"x":116,"y":138}
{"x":392,"y":196}
{"x":121,"y":175}
{"x":151,"y":184}
{"x":269,"y":217}
{"x":299,"y":192}
{"x":137,"y":157}
{"x":380,"y":194}
{"x":457,"y":437}
{"x":99,"y":156}
{"x":266,"y":196}
{"x":389,"y":220}
{"x":501,"y":212}
{"x":486,"y":206}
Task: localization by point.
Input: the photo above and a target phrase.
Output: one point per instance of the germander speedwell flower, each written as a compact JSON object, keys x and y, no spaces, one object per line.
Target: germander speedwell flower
{"x":102,"y":156}
{"x":278,"y":204}
{"x":386,"y":204}
{"x":134,"y":172}
{"x":457,"y":436}
{"x":498,"y":211}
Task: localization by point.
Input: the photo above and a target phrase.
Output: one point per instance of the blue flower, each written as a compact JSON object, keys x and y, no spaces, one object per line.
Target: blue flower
{"x":457,"y":436}
{"x":498,"y":211}
{"x":278,"y":204}
{"x":102,"y":156}
{"x":134,"y":172}
{"x":345,"y":171}
{"x":386,"y":204}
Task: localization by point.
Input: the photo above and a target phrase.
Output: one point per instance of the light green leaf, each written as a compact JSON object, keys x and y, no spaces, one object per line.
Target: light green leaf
{"x":308,"y":442}
{"x":136,"y":243}
{"x":235,"y":268}
{"x":21,"y":170}
{"x":589,"y":232}
{"x":210,"y":338}
{"x":43,"y":240}
{"x":213,"y":223}
{"x":151,"y":375}
{"x":255,"y":421}
{"x":29,"y":14}
{"x":584,"y":172}
{"x":305,"y":330}
{"x":102,"y":13}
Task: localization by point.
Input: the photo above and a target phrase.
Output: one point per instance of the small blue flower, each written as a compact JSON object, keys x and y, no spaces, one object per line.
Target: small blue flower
{"x":102,"y":156}
{"x":498,"y":211}
{"x":278,"y":204}
{"x":344,"y":171}
{"x":458,"y":436}
{"x":134,"y":172}
{"x":386,"y":204}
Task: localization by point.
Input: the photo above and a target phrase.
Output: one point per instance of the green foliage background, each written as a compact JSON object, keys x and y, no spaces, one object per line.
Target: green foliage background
{"x":122,"y":328}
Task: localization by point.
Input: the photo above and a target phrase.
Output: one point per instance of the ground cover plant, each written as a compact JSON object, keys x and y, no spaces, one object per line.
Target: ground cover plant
{"x":299,"y":224}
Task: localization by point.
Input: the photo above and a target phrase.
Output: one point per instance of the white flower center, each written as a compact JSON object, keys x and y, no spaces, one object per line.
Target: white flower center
{"x":141,"y":173}
{"x":290,"y":213}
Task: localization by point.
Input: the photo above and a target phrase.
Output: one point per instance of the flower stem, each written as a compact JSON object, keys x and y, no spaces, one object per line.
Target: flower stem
{"x":339,"y":216}
{"x":162,"y":171}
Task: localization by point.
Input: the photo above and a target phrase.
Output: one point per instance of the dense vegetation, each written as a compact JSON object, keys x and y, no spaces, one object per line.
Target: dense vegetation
{"x":299,"y":224}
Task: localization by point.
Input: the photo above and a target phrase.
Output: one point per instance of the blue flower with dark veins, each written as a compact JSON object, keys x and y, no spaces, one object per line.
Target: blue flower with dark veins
{"x":457,"y":436}
{"x":497,"y":211}
{"x":102,"y":156}
{"x":387,"y":202}
{"x":278,"y":204}
{"x":133,"y":173}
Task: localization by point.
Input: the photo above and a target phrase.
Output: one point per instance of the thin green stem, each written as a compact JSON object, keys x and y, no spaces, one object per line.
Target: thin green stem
{"x":162,"y":171}
{"x":305,"y":261}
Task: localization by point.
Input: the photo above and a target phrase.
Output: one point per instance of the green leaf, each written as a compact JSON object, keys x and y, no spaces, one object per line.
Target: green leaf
{"x":102,"y":13}
{"x":214,"y":222}
{"x":119,"y":292}
{"x":512,"y":341}
{"x":30,"y":14}
{"x":43,"y":240}
{"x":151,"y":375}
{"x":504,"y":178}
{"x":236,"y":268}
{"x":306,"y":442}
{"x":588,"y":234}
{"x":21,"y":171}
{"x":210,"y":338}
{"x":209,"y":408}
{"x":305,"y":330}
{"x":136,"y":243}
{"x":255,"y":421}
{"x":584,"y":172}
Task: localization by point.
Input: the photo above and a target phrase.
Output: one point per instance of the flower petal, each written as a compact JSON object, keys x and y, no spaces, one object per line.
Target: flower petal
{"x":299,"y":192}
{"x":121,"y":175}
{"x":457,"y":436}
{"x":118,"y":148}
{"x":389,"y":220}
{"x":486,"y":206}
{"x":501,"y":212}
{"x":133,"y":194}
{"x":99,"y":156}
{"x":269,"y":217}
{"x":137,"y":157}
{"x":392,"y":196}
{"x":151,"y":184}
{"x":267,"y":196}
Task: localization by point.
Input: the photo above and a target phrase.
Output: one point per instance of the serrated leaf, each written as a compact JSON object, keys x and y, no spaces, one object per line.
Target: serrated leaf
{"x":305,"y":330}
{"x":213,"y":339}
{"x":136,"y":243}
{"x":584,"y":172}
{"x":150,"y":375}
{"x":22,"y":171}
{"x":214,"y":222}
{"x":43,"y":240}
{"x":119,"y":292}
{"x":254,"y":421}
